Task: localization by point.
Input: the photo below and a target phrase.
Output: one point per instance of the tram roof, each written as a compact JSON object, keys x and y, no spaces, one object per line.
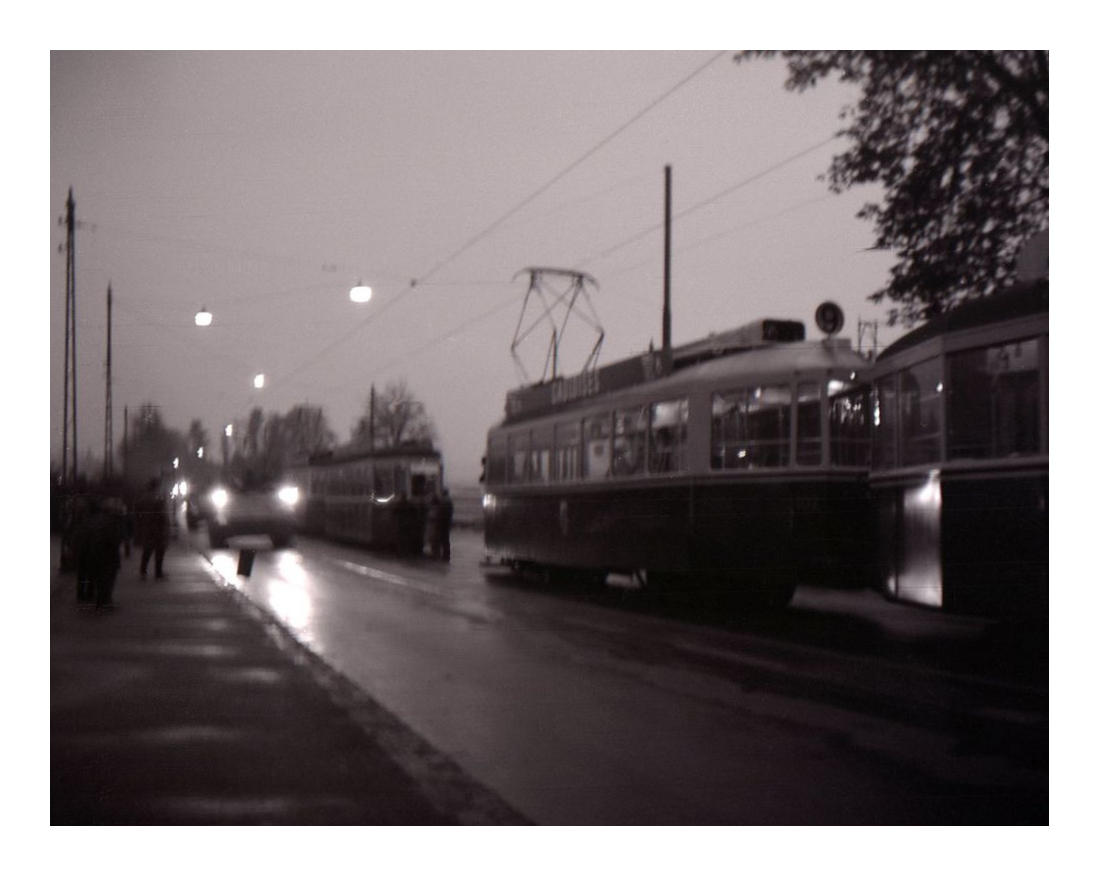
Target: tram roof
{"x":776,"y":361}
{"x":354,"y":454}
{"x":1027,"y":298}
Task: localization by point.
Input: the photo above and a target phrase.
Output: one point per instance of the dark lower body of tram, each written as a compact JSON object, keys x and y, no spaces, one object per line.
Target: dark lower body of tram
{"x":971,"y":541}
{"x":754,"y":538}
{"x":397,"y":526}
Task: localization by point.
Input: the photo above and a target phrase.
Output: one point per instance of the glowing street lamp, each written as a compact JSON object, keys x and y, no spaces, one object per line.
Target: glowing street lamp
{"x":203,"y":317}
{"x":360,"y":294}
{"x":258,"y":381}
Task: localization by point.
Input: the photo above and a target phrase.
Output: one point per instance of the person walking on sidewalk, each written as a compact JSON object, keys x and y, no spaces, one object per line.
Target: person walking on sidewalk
{"x":152,"y":526}
{"x":97,"y":544}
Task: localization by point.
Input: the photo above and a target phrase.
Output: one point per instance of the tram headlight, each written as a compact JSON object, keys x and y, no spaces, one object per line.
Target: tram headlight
{"x":220,"y":498}
{"x":289,"y":496}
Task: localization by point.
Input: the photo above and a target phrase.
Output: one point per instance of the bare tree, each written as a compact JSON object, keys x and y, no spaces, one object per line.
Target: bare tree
{"x":399,"y":418}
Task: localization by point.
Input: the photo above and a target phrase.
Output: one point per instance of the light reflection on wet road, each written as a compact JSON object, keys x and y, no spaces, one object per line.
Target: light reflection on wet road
{"x":578,"y":712}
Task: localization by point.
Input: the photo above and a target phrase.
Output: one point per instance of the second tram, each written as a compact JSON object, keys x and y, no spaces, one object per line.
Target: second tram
{"x":960,"y":478}
{"x":374,"y":498}
{"x":736,"y":464}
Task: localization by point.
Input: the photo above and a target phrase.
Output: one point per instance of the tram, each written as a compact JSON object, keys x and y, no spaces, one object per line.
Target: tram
{"x":735,"y":465}
{"x":373,"y":498}
{"x":960,"y":477}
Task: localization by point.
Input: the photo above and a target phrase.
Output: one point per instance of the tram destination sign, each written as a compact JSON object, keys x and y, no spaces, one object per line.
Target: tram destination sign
{"x":529,"y":400}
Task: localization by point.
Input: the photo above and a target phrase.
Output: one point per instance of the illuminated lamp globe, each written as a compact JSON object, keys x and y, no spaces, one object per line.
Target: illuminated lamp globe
{"x":361,"y":294}
{"x":259,"y":381}
{"x":203,"y":317}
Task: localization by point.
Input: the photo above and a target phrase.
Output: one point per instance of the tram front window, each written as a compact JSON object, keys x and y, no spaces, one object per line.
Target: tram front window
{"x":994,"y":403}
{"x":808,"y":429}
{"x":849,"y":422}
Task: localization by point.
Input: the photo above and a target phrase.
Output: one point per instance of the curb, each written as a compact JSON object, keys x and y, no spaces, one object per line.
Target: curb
{"x":443,"y":782}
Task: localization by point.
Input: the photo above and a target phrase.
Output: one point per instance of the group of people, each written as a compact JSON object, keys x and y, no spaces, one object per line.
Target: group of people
{"x":103,"y":528}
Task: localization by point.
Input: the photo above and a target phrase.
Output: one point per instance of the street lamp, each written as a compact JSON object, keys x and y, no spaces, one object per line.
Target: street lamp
{"x":203,"y":317}
{"x":258,"y":381}
{"x":360,"y":294}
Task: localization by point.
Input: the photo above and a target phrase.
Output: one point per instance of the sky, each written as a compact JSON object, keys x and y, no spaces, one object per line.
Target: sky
{"x":262,"y":185}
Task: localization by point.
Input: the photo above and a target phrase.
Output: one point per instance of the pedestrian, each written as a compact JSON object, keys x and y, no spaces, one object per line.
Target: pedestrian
{"x":443,"y":513}
{"x":97,"y":562}
{"x":151,"y":528}
{"x":73,"y":555}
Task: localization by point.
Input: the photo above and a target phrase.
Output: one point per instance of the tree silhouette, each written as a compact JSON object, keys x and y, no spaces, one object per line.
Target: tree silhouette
{"x":399,"y":418}
{"x":960,"y":142}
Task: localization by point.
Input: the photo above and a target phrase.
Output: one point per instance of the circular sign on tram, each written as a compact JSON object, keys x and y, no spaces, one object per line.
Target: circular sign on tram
{"x":829,"y":317}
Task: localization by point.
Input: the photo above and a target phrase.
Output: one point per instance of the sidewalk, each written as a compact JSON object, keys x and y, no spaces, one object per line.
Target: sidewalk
{"x":187,"y":705}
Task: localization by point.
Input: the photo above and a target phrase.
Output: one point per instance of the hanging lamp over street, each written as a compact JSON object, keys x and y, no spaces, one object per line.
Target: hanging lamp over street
{"x":360,"y":294}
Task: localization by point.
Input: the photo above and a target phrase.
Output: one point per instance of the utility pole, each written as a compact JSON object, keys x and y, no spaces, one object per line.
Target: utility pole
{"x":667,"y":260}
{"x":108,"y":428}
{"x":70,"y":341}
{"x":372,"y":418}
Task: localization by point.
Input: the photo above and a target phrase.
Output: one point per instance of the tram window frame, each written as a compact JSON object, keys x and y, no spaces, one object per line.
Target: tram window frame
{"x":631,"y":441}
{"x":921,"y":410}
{"x":384,"y":480}
{"x":808,"y":444}
{"x":541,"y":455}
{"x":567,"y":454}
{"x":518,"y":457}
{"x":886,"y":423}
{"x":982,"y":402}
{"x":850,"y":435}
{"x":597,"y":445}
{"x":754,"y":448}
{"x":496,"y":467}
{"x":668,"y":443}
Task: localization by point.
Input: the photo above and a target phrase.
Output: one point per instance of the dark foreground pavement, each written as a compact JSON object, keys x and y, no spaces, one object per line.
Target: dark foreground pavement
{"x":187,"y":705}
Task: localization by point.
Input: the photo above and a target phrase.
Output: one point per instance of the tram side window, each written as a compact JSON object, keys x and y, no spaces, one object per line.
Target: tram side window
{"x":809,"y":444}
{"x":361,"y":478}
{"x":668,"y":436}
{"x":518,"y":455}
{"x":920,"y":402}
{"x":849,"y":422}
{"x":751,"y":428}
{"x":597,"y":446}
{"x":630,"y":428}
{"x":384,"y":483}
{"x":567,"y":454}
{"x":496,"y":472}
{"x":994,"y":406}
{"x":541,"y":451}
{"x":885,"y":422}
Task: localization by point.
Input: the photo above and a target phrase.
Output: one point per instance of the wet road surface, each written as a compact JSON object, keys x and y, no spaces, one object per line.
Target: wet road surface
{"x":598,"y":707}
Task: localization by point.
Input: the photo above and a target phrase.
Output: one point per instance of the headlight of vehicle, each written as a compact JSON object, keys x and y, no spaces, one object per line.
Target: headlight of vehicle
{"x":220,"y":498}
{"x":289,"y":496}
